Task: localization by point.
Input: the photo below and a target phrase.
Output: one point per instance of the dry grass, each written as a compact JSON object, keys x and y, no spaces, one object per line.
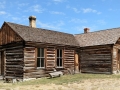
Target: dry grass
{"x":68,"y":82}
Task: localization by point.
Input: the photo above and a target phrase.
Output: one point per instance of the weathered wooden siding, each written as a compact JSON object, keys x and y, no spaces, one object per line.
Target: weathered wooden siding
{"x":30,"y":69}
{"x":7,"y":35}
{"x":50,"y":57}
{"x":116,"y":57}
{"x":0,"y":63}
{"x":14,"y":62}
{"x":69,"y":58}
{"x":96,"y":59}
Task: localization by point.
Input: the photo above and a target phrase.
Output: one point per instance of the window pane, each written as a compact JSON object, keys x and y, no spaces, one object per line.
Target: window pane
{"x":57,"y":62}
{"x":57,"y":52}
{"x":60,"y":53}
{"x":42,"y":52}
{"x":38,"y":62}
{"x":60,"y":62}
{"x":42,"y":62}
{"x":59,"y":57}
{"x":38,"y":52}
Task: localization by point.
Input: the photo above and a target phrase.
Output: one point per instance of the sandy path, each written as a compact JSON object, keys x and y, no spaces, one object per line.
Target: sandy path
{"x":92,"y":84}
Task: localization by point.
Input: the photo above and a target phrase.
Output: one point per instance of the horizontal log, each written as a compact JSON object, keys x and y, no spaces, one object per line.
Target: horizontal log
{"x":30,"y":65}
{"x":66,"y":59}
{"x":29,"y":62}
{"x":26,"y":68}
{"x":15,"y":47}
{"x":68,"y":55}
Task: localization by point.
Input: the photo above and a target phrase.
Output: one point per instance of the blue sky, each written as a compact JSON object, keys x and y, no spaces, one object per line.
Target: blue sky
{"x":70,"y":16}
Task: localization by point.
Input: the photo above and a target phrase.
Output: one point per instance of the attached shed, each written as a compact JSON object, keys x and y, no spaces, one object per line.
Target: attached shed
{"x":100,"y":51}
{"x":29,"y":52}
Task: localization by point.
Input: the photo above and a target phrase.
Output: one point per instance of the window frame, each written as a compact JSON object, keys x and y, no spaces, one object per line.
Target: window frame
{"x":59,"y":58}
{"x":40,"y":57}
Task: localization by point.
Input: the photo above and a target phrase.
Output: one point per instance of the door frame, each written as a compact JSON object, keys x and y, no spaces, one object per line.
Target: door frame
{"x":118,"y":61}
{"x":3,"y":56}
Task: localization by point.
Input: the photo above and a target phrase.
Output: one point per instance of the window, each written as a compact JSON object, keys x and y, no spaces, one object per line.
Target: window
{"x":40,"y":58}
{"x":59,"y":58}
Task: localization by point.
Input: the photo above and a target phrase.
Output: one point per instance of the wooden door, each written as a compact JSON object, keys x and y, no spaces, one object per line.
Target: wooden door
{"x":76,"y":62}
{"x":2,"y":62}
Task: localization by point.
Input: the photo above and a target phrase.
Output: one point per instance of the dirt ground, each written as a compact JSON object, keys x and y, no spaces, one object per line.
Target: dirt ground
{"x":90,"y":84}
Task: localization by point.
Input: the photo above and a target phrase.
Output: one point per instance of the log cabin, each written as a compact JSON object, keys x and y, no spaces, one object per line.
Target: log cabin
{"x":30,"y":52}
{"x":99,"y":51}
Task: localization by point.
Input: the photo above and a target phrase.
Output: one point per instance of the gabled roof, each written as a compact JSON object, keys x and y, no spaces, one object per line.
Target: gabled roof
{"x":109,"y":36}
{"x":43,"y":35}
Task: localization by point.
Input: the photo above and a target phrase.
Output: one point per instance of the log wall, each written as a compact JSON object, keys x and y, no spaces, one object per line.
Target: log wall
{"x":96,"y":59}
{"x":14,"y":62}
{"x":30,"y":69}
{"x":69,"y":58}
{"x":50,"y":57}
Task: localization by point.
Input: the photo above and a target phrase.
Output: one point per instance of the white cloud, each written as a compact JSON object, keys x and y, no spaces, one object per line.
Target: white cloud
{"x":89,"y":10}
{"x":76,"y":10}
{"x":56,"y":12}
{"x":54,"y":26}
{"x":73,"y":8}
{"x":2,"y":13}
{"x":59,"y":1}
{"x":38,"y":8}
{"x":2,"y":4}
{"x":35,"y":8}
{"x":23,"y":4}
{"x":76,"y":20}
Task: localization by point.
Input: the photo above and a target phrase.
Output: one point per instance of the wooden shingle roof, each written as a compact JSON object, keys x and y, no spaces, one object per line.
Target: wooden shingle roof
{"x":43,"y":35}
{"x":109,"y":36}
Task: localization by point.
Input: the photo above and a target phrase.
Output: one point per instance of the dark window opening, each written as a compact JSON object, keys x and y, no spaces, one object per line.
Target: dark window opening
{"x":40,"y":58}
{"x":59,"y":58}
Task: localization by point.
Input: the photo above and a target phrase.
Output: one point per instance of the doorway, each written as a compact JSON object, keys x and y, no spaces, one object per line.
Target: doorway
{"x":118,"y":61}
{"x":2,"y":62}
{"x":77,"y":63}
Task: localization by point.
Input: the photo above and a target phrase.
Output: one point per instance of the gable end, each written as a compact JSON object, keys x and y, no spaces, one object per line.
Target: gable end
{"x":7,"y":35}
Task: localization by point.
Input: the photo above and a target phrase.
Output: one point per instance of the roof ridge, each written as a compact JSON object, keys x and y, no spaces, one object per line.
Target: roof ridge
{"x":98,"y":31}
{"x":41,"y":28}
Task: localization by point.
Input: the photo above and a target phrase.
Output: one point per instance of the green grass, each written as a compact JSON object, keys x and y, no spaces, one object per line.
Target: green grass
{"x":60,"y":80}
{"x":68,"y":79}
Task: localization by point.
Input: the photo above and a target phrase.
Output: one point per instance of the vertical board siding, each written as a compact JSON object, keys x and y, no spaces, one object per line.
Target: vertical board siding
{"x":69,"y":58}
{"x":115,"y":58}
{"x":96,"y":59}
{"x":7,"y":35}
{"x":14,"y":62}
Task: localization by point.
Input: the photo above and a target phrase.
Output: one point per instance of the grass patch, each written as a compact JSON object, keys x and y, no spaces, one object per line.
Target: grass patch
{"x":60,"y":80}
{"x":68,"y":79}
